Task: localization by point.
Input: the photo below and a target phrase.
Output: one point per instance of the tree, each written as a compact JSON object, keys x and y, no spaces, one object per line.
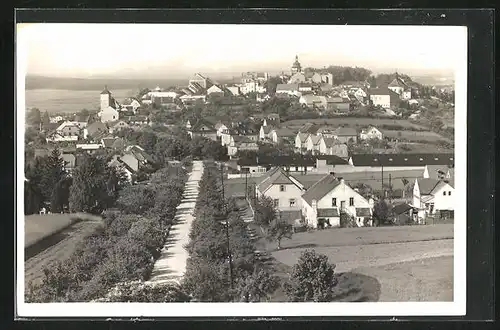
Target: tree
{"x":207,"y":281}
{"x":265,"y":212}
{"x":34,"y":117}
{"x":60,"y":195}
{"x":143,"y":292}
{"x":52,"y":173}
{"x":279,"y":229}
{"x":312,"y":279}
{"x":381,"y":212}
{"x":45,"y":119}
{"x":257,"y":286}
{"x":137,"y":199}
{"x":89,"y":191}
{"x":271,"y":84}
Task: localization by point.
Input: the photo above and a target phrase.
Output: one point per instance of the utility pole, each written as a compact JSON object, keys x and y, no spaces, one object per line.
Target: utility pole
{"x":246,"y":185}
{"x":390,"y":189}
{"x":227,"y":227}
{"x":383,"y":192}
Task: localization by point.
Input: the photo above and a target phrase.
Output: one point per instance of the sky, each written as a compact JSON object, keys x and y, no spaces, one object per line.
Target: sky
{"x":178,"y":50}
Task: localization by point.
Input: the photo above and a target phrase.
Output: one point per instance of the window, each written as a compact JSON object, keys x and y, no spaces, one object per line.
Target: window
{"x":292,"y":202}
{"x":276,"y":202}
{"x":334,"y":202}
{"x":282,"y":187}
{"x":444,"y":193}
{"x":351,"y":201}
{"x":296,"y":168}
{"x":449,"y":193}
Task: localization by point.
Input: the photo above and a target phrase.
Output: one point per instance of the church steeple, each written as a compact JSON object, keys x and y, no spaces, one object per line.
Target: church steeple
{"x":296,"y":67}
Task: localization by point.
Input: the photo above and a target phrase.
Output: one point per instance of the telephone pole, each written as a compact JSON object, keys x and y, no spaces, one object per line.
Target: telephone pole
{"x":227,"y":226}
{"x":390,"y":188}
{"x":246,"y":185}
{"x":383,"y":192}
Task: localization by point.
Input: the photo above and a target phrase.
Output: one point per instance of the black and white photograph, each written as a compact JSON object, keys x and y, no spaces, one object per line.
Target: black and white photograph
{"x":227,"y":164}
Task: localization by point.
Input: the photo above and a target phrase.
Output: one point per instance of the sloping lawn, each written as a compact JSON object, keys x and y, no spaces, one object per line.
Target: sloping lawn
{"x":364,"y":236}
{"x":428,"y":279}
{"x":38,"y":227}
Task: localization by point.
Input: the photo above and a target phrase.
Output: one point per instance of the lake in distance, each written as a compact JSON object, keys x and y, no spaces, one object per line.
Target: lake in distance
{"x":70,"y":101}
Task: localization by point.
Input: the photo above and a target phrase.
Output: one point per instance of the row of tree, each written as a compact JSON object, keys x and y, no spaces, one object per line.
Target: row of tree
{"x":122,"y":249}
{"x":221,"y":265}
{"x":92,"y":187}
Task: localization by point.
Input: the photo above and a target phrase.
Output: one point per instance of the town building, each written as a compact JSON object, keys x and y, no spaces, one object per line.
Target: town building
{"x":288,"y":89}
{"x":399,"y":86}
{"x":109,"y":107}
{"x":296,"y":67}
{"x":280,"y":135}
{"x":433,"y":198}
{"x":282,"y":188}
{"x":370,"y":133}
{"x":325,"y":200}
{"x":383,"y":97}
{"x":203,"y":128}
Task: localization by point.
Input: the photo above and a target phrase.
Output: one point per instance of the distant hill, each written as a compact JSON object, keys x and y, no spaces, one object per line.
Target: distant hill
{"x":40,"y":82}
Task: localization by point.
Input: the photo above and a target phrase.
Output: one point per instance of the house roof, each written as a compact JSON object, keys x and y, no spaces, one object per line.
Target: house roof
{"x":436,"y":171}
{"x":309,"y":128}
{"x":398,"y":82}
{"x":267,"y":129}
{"x":273,"y":116}
{"x":311,"y":98}
{"x":275,"y":176}
{"x":320,"y":188}
{"x":315,"y":139}
{"x":368,"y":129}
{"x":345,"y":131}
{"x":278,"y":161}
{"x":402,"y":159}
{"x":284,"y":131}
{"x":202,"y":122}
{"x":108,"y":142}
{"x":287,"y":87}
{"x":401,"y":208}
{"x":427,"y":186}
{"x":332,"y":159}
{"x":96,"y":127}
{"x":82,"y":118}
{"x":105,"y":91}
{"x":363,"y":212}
{"x":302,"y":136}
{"x":382,"y":91}
{"x":329,"y":142}
{"x":119,"y":143}
{"x":329,"y":212}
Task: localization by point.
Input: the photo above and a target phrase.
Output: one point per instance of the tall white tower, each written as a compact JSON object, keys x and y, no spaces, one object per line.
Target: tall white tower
{"x":105,"y":98}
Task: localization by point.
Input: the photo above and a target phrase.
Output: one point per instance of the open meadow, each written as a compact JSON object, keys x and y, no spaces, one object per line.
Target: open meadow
{"x":353,"y":122}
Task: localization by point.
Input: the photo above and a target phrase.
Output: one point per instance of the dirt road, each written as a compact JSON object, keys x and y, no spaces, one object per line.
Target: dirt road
{"x":172,"y":263}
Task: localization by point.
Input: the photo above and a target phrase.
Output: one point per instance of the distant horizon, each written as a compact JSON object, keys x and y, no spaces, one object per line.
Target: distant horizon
{"x":135,"y":51}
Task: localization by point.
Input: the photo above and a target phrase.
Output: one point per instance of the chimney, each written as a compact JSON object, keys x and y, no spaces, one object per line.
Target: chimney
{"x":332,"y":173}
{"x":341,"y":180}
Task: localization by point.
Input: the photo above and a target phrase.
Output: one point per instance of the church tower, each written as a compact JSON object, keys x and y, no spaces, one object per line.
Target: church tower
{"x":105,"y":98}
{"x":296,"y":67}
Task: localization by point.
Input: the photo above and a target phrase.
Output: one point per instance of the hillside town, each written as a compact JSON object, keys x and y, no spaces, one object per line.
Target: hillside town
{"x":270,"y":157}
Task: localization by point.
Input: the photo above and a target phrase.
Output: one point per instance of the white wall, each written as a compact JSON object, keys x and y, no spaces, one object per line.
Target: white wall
{"x":446,"y":202}
{"x":283,"y":197}
{"x":383,"y":100}
{"x":343,"y":192}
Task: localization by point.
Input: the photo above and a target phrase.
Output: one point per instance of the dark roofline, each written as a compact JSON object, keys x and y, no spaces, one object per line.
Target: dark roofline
{"x":403,"y":159}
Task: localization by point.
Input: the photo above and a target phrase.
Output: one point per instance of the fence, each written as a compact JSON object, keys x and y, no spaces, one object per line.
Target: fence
{"x":242,"y":175}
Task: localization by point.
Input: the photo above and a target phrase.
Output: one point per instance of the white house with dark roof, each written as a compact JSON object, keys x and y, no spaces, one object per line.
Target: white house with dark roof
{"x":278,"y":135}
{"x":301,"y":141}
{"x":109,"y":107}
{"x":288,"y":89}
{"x":313,"y":143}
{"x":400,"y":87}
{"x":433,"y":197}
{"x":370,"y":133}
{"x":283,"y":188}
{"x":326,"y":199}
{"x":264,"y":132}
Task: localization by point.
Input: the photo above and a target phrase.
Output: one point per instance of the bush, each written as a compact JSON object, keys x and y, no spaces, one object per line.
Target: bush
{"x":139,"y":291}
{"x":312,"y":279}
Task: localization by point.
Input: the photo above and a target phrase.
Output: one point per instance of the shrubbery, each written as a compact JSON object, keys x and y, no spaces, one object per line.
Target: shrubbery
{"x":207,"y":276}
{"x":123,"y":249}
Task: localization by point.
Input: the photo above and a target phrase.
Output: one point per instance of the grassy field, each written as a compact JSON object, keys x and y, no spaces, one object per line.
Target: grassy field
{"x":429,"y":279}
{"x":424,"y":148}
{"x":38,"y":227}
{"x":365,"y":236}
{"x":415,"y":135}
{"x":56,"y":247}
{"x":352,"y":122}
{"x":408,"y":263}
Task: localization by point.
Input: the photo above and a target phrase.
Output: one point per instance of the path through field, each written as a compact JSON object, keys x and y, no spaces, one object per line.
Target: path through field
{"x":172,"y":263}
